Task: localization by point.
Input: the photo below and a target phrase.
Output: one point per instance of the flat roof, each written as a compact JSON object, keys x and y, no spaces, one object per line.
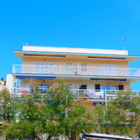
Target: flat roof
{"x":84,"y":53}
{"x":74,"y":50}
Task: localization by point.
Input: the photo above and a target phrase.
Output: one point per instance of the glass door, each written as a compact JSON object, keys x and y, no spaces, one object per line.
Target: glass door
{"x":39,"y":67}
{"x":109,"y":89}
{"x":108,"y":69}
{"x":83,"y":90}
{"x":49,"y":68}
{"x":44,"y":67}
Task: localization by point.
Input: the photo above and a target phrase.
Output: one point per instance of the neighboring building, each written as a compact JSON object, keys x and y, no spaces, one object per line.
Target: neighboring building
{"x":90,"y":73}
{"x":2,"y":84}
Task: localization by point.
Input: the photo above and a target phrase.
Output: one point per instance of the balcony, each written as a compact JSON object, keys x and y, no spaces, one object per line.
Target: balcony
{"x":87,"y":94}
{"x":76,"y":70}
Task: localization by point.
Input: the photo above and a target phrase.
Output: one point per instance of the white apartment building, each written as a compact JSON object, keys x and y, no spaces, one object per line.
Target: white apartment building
{"x":90,"y":73}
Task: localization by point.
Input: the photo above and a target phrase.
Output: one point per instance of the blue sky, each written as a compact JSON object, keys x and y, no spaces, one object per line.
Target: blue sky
{"x":68,"y":23}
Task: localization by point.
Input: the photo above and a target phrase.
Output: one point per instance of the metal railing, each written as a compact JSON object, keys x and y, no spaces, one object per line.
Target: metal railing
{"x":75,"y":70}
{"x":79,"y":93}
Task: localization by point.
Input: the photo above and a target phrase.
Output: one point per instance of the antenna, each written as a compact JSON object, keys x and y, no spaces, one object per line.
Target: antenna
{"x":122,"y":40}
{"x":26,"y":43}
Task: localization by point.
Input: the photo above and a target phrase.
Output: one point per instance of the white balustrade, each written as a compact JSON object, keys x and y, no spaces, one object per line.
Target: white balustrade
{"x":76,"y":70}
{"x":79,"y":93}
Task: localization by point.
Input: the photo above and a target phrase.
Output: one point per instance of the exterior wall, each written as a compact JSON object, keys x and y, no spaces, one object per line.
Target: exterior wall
{"x":64,"y":61}
{"x":89,"y":93}
{"x":74,"y":84}
{"x":94,"y":67}
{"x":2,"y":84}
{"x":10,"y":82}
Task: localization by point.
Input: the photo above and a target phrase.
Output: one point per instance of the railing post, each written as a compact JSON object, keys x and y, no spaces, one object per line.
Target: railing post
{"x":78,"y":93}
{"x":13,"y":69}
{"x":105,"y":100}
{"x":78,"y":69}
{"x":59,"y":72}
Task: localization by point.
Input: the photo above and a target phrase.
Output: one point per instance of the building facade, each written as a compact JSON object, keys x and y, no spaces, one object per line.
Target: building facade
{"x":89,"y":73}
{"x":2,"y":84}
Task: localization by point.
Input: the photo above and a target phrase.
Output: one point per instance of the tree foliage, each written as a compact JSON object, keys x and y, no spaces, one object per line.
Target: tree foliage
{"x":54,"y":113}
{"x":120,"y":116}
{"x":58,"y":113}
{"x":8,"y":106}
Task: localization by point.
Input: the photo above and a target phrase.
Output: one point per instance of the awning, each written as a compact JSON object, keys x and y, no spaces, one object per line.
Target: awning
{"x":108,"y":79}
{"x":34,"y":77}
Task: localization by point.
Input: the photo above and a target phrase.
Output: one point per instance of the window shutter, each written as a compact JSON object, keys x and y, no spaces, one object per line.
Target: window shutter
{"x":97,"y":87}
{"x":121,"y":87}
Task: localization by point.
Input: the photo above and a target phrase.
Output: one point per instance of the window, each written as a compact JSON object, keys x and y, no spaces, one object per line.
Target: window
{"x":69,"y":66}
{"x":83,"y":67}
{"x":70,"y":86}
{"x":83,"y":90}
{"x":83,"y":87}
{"x":43,"y":88}
{"x":44,"y":67}
{"x":97,"y":87}
{"x":121,"y":87}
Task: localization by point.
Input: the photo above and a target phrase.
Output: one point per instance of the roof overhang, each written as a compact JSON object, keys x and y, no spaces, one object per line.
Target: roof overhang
{"x":88,"y":77}
{"x":35,"y":77}
{"x":25,"y":54}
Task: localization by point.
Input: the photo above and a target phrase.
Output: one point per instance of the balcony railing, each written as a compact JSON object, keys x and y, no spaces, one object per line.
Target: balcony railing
{"x":75,"y":70}
{"x":79,"y":93}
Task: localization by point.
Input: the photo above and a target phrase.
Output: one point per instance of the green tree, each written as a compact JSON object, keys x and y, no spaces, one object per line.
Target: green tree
{"x":8,"y":106}
{"x":54,"y":113}
{"x":129,"y":102}
{"x":70,"y":116}
{"x":120,"y":116}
